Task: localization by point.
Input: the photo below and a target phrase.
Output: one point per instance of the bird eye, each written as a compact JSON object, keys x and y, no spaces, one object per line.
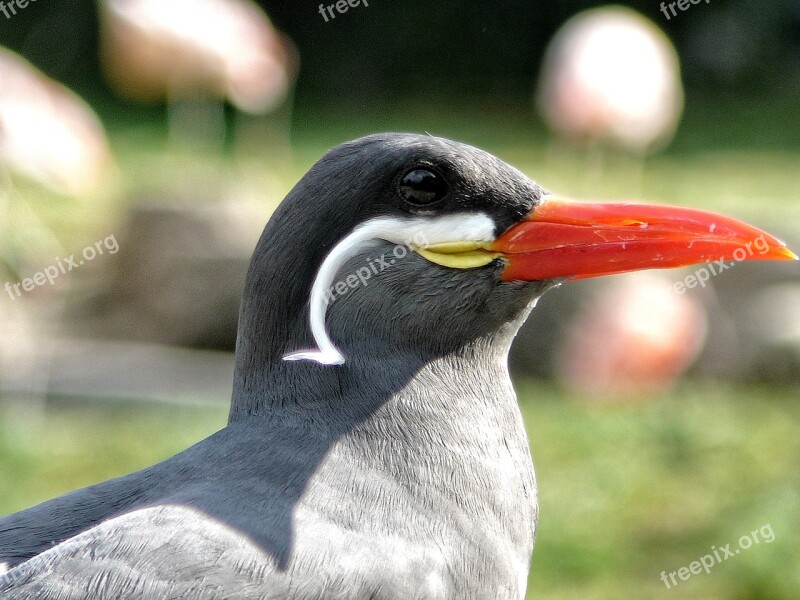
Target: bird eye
{"x":422,"y":187}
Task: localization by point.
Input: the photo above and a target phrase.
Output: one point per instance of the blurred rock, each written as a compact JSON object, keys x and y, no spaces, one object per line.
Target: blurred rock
{"x":755,"y":314}
{"x":125,"y":371}
{"x":773,"y":328}
{"x":21,"y":328}
{"x":179,"y":274}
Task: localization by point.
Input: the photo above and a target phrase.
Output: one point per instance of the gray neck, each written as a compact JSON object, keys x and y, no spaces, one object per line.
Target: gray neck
{"x":452,"y":433}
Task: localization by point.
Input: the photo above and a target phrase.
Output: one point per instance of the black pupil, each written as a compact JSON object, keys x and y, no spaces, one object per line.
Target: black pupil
{"x":421,"y":186}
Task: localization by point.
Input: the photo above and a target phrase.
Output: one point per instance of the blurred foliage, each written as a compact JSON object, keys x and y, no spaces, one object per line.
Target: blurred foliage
{"x":626,"y":490}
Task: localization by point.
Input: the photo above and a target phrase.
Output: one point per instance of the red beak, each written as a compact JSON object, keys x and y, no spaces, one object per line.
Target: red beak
{"x":575,"y":240}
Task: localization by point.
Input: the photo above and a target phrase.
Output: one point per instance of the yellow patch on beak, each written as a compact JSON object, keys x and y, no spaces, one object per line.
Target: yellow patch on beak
{"x":458,"y":255}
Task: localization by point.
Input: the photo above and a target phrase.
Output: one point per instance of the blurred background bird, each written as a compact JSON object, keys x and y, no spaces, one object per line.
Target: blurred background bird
{"x":610,"y":81}
{"x":633,"y":338}
{"x":47,"y":132}
{"x":48,"y":136}
{"x":194,"y":54}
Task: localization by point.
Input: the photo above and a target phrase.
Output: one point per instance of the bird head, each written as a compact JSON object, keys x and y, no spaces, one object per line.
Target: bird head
{"x":415,"y":245}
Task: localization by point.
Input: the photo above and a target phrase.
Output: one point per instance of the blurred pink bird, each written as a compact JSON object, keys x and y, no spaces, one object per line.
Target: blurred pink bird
{"x":611,"y":75}
{"x":638,"y":336}
{"x":47,"y":133}
{"x":195,"y":49}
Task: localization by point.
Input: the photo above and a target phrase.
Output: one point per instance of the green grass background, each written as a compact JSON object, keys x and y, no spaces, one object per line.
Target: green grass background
{"x":627,"y":490}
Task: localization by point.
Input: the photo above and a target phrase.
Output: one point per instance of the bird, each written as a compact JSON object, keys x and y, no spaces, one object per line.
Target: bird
{"x":185,"y":51}
{"x":374,"y":447}
{"x":610,"y":75}
{"x":47,"y":133}
{"x":633,"y":339}
{"x":225,"y":48}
